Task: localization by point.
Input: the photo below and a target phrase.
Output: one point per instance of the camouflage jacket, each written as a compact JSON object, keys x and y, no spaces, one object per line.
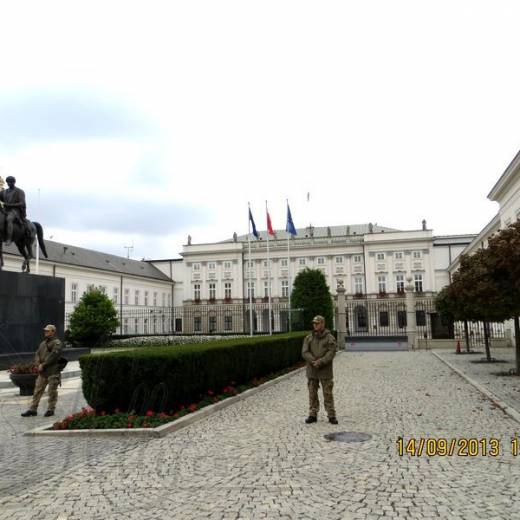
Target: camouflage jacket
{"x":319,"y":346}
{"x":48,"y":355}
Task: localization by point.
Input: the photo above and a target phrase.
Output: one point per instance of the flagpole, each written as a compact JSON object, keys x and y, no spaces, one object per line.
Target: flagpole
{"x":249,"y":288}
{"x":268,"y":278}
{"x":289,"y":270}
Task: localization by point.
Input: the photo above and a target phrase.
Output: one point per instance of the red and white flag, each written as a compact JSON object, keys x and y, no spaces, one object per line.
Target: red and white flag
{"x":269,"y":225}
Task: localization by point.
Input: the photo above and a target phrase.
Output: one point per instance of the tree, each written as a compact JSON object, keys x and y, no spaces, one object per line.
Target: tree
{"x":94,"y":319}
{"x":312,"y":294}
{"x":503,"y":255}
{"x":476,"y":294}
{"x":448,"y":305}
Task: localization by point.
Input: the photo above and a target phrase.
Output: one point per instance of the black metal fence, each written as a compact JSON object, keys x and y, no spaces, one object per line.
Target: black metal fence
{"x":475,"y":332}
{"x":384,"y":317}
{"x":204,"y":319}
{"x":387,"y":317}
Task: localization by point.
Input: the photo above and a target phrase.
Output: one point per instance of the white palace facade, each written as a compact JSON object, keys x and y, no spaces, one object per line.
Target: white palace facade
{"x":369,"y":260}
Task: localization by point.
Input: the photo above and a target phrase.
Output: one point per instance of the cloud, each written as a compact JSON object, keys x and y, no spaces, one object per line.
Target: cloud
{"x":118,"y":213}
{"x":52,"y":115}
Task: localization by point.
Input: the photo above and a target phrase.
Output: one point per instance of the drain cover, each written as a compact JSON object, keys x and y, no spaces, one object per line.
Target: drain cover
{"x":348,"y":437}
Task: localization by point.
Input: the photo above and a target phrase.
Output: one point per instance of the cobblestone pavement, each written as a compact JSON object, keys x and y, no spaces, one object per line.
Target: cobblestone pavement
{"x":507,"y":388}
{"x":257,"y":459}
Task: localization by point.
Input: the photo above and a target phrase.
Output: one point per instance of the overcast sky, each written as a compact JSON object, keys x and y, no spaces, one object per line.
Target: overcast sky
{"x":166,"y":119}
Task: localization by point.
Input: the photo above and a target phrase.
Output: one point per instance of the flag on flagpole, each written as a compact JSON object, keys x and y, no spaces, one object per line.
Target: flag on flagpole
{"x":269,"y":225}
{"x":290,"y":224}
{"x":255,"y":232}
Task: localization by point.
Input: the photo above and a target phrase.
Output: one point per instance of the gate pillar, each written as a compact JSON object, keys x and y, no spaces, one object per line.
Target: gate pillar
{"x":341,"y":325}
{"x":411,"y":324}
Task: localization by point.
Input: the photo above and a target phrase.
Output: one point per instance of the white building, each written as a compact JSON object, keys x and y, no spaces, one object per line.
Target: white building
{"x":132,"y":285}
{"x":368,"y":259}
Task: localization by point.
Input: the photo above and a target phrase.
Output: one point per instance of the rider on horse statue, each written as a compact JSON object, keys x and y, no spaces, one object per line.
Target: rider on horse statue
{"x":14,"y":203}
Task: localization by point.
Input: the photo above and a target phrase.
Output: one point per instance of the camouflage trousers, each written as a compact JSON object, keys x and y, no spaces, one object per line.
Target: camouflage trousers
{"x":39,"y":388}
{"x":328,"y":399}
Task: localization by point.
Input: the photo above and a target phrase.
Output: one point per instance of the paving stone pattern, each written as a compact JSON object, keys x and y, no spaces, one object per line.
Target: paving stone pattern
{"x":507,"y":388}
{"x":257,"y":459}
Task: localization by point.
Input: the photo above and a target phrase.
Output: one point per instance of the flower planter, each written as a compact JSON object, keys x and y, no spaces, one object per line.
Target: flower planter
{"x":25,"y":382}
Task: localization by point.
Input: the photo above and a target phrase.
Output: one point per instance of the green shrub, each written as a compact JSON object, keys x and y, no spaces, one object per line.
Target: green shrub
{"x":93,"y":320}
{"x":312,"y":294}
{"x":160,"y":378}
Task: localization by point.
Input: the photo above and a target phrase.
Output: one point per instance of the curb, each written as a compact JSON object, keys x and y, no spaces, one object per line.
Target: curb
{"x":167,"y":428}
{"x":64,"y":375}
{"x":508,"y":410}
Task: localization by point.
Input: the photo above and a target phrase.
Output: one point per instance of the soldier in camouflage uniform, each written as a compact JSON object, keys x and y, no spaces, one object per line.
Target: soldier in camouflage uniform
{"x":319,"y":349}
{"x":47,"y":357}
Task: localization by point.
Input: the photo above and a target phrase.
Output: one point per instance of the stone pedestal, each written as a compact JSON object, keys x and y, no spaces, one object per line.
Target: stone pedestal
{"x":28,"y":302}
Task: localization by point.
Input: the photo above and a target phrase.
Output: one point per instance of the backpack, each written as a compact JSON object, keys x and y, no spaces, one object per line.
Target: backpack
{"x":62,"y":363}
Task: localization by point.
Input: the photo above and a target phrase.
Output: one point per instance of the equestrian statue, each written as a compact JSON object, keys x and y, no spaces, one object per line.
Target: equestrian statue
{"x":14,"y":226}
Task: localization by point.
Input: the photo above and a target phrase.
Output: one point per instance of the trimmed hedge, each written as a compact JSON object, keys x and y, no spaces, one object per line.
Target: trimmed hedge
{"x":160,"y":378}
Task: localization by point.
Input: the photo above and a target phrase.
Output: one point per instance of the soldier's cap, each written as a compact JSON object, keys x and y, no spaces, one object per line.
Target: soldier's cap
{"x":10,"y":178}
{"x":50,"y":328}
{"x":318,"y":319}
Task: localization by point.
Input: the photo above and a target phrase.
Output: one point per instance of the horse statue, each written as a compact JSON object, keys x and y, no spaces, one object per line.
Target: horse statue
{"x":23,"y":240}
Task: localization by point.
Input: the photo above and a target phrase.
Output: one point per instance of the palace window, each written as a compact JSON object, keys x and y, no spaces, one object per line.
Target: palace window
{"x":211,"y":266}
{"x":228,"y":322}
{"x":136,"y":297}
{"x":227,"y":290}
{"x":196,"y":267}
{"x":227,"y":264}
{"x":381,"y":284}
{"x":283,"y":262}
{"x":212,"y":291}
{"x":155,"y":299}
{"x":417,"y":254}
{"x":357,"y":259}
{"x":285,"y":288}
{"x":250,"y":289}
{"x":380,"y":256}
{"x":196,"y":291}
{"x":358,"y":285}
{"x":383,"y":319}
{"x":73,"y":292}
{"x":339,"y":259}
{"x":146,"y":298}
{"x":197,"y":324}
{"x":418,"y":282}
{"x":115,"y":295}
{"x":321,"y":260}
{"x":399,"y":282}
{"x":398,"y":255}
{"x":127,"y":296}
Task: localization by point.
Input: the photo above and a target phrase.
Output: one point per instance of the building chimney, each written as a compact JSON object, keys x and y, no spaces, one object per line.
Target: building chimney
{"x":424,"y":225}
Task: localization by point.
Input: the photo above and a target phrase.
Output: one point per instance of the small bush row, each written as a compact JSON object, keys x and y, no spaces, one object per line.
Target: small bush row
{"x":88,"y":418}
{"x":161,"y":378}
